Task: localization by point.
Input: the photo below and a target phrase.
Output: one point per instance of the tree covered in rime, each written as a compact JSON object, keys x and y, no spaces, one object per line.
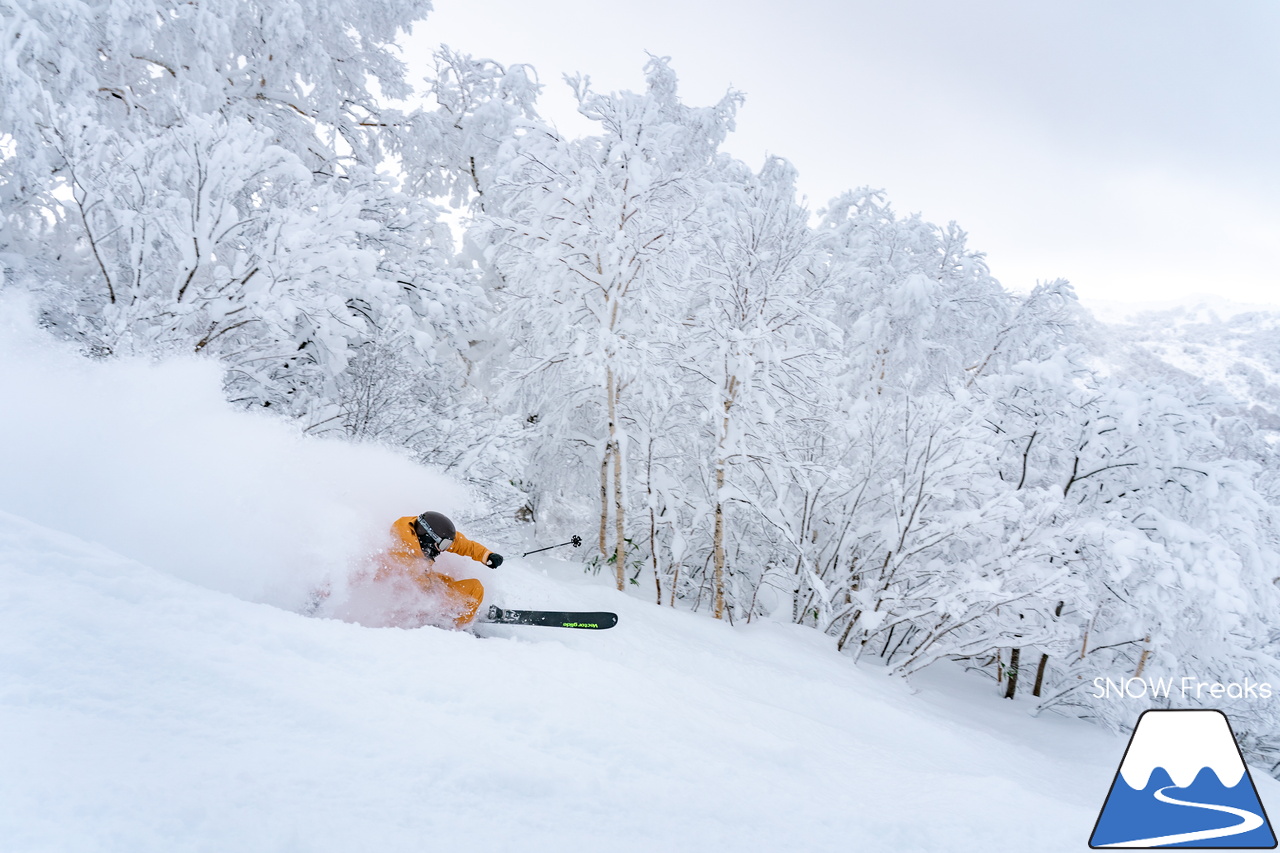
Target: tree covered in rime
{"x":927,"y":553}
{"x":456,"y":149}
{"x":1172,"y":542}
{"x":752,"y":350}
{"x":590,"y":237}
{"x":205,"y":178}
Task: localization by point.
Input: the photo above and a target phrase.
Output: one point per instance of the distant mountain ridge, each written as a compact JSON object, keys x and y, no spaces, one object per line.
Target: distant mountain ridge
{"x":1226,"y":349}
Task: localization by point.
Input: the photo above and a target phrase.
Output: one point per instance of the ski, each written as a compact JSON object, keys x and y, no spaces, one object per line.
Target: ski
{"x":552,"y":618}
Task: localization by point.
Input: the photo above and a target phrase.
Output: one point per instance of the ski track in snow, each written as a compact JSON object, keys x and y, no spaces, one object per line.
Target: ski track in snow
{"x":1248,"y":822}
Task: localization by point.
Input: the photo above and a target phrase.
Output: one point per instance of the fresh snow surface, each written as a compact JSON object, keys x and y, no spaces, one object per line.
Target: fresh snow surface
{"x":159,"y":693}
{"x":140,"y":712}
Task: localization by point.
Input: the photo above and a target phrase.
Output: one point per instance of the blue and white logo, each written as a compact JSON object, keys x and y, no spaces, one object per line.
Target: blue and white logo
{"x":1183,"y":783}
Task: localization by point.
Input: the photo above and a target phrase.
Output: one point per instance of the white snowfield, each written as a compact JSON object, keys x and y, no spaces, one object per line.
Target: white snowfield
{"x":157,"y":693}
{"x":139,"y":712}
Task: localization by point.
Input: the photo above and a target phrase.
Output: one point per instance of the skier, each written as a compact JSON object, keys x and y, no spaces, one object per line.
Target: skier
{"x":419,"y":540}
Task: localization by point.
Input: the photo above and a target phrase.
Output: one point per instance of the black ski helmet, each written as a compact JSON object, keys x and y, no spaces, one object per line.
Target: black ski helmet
{"x":435,"y":533}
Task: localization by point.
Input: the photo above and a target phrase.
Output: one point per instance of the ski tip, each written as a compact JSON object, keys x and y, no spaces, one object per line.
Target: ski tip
{"x":589,"y":621}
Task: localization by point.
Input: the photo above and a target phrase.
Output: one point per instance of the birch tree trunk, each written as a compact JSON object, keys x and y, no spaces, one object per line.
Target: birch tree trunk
{"x":1142,"y":659}
{"x":620,"y":545}
{"x":718,"y":577}
{"x":653,"y":526}
{"x":613,"y":450}
{"x":721,"y":462}
{"x":604,"y":502}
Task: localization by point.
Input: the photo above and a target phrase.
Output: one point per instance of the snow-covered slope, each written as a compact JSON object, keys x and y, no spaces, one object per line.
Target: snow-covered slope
{"x":140,"y":712}
{"x":1226,"y":348}
{"x":158,"y":693}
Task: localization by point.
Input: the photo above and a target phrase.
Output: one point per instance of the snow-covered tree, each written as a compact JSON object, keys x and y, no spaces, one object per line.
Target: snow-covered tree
{"x":756,"y":343}
{"x":932,"y":555}
{"x":588,"y":237}
{"x":1171,"y":541}
{"x":482,"y":107}
{"x":206,"y":178}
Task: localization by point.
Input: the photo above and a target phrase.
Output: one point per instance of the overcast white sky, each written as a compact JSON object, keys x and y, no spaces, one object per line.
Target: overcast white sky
{"x":1131,"y":147}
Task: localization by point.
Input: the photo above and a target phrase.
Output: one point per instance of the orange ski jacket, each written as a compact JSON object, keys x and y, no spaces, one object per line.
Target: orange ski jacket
{"x":405,"y":555}
{"x":407,"y":547}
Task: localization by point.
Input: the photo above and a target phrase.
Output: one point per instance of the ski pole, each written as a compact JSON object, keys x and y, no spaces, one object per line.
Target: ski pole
{"x":576,"y":542}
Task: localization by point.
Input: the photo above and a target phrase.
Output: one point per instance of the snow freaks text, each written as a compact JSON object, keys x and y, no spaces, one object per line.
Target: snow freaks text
{"x":1187,"y":687}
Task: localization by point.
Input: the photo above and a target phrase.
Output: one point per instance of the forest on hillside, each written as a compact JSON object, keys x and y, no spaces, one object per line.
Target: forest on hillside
{"x":835,"y":417}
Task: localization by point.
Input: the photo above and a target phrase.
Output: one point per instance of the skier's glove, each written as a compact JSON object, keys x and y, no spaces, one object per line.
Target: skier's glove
{"x":493,"y":560}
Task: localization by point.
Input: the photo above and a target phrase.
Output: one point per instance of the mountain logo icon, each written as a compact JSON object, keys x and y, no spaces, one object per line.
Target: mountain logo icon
{"x":1183,"y":783}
